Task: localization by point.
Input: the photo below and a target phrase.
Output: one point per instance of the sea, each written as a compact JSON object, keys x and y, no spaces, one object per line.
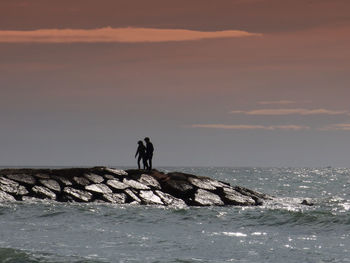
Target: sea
{"x":282,"y":230}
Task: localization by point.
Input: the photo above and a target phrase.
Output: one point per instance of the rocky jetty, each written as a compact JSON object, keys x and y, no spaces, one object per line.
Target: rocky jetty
{"x":102,"y":184}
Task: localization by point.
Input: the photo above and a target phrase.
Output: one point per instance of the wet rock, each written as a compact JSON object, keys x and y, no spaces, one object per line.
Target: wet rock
{"x":202,"y":183}
{"x":150,"y":198}
{"x":22,"y":178}
{"x":51,"y":184}
{"x":235,"y":198}
{"x":5,"y":197}
{"x":118,"y":198}
{"x":63,"y":180}
{"x":206,"y":198}
{"x":44,"y":192}
{"x":94,"y":178}
{"x":80,"y":195}
{"x":149,"y":181}
{"x":81,"y":181}
{"x":170,"y":200}
{"x":308,"y":203}
{"x":115,"y":184}
{"x":179,"y":185}
{"x":116,"y":171}
{"x":133,"y":196}
{"x":12,"y":187}
{"x":99,"y":188}
{"x":135,"y":184}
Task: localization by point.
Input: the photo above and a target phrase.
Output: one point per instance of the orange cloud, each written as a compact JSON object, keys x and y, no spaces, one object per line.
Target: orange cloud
{"x":337,"y":127}
{"x":110,"y":35}
{"x":291,"y":111}
{"x":251,"y":127}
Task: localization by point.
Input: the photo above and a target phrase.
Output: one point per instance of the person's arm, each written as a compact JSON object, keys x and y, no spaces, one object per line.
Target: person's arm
{"x":137,"y":151}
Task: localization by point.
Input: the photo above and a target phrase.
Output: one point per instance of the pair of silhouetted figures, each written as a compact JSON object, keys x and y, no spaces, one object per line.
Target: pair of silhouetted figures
{"x":145,"y":154}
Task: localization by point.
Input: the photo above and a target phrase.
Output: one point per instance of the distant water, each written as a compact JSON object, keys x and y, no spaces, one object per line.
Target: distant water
{"x":280,"y":231}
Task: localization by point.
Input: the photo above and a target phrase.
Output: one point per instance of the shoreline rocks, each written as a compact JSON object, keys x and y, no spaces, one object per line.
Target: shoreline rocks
{"x":101,"y":184}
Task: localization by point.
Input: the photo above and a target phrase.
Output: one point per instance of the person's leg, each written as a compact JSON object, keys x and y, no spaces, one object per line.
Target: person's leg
{"x":150,"y":163}
{"x":138,"y":162}
{"x":145,"y":165}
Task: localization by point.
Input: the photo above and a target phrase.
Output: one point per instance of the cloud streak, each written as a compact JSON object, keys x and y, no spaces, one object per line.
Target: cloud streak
{"x":251,"y":127}
{"x":278,"y":112}
{"x":115,"y":35}
{"x":337,"y":127}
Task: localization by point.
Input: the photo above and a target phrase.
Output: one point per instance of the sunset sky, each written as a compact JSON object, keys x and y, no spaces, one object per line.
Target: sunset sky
{"x":212,"y":83}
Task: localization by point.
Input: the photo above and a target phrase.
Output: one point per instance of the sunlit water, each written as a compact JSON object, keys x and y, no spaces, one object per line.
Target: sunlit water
{"x":280,"y":231}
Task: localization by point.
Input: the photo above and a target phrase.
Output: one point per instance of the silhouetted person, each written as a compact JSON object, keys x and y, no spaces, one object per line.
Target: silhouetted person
{"x":141,"y":152}
{"x":149,"y":152}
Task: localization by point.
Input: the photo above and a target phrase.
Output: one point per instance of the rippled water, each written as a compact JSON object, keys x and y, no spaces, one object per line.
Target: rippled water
{"x":280,"y":231}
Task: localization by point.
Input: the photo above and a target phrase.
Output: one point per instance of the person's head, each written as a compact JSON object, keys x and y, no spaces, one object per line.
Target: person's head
{"x":140,"y":142}
{"x":146,"y":139}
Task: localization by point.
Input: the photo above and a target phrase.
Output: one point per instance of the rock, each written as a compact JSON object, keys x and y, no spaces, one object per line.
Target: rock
{"x":202,"y":183}
{"x":99,"y":188}
{"x":12,"y":187}
{"x":150,"y":198}
{"x":306,"y":202}
{"x":132,"y":195}
{"x":115,"y":184}
{"x":109,"y":176}
{"x":179,"y":185}
{"x":22,"y":178}
{"x":81,"y":181}
{"x":44,"y":192}
{"x":236,"y":198}
{"x":118,"y":198}
{"x":253,"y":194}
{"x":63,"y":180}
{"x":116,"y":171}
{"x":149,"y":181}
{"x":42,"y":176}
{"x":170,"y":200}
{"x":80,"y":195}
{"x":205,"y":198}
{"x":51,"y":184}
{"x":94,"y":178}
{"x":135,"y":184}
{"x":5,"y":197}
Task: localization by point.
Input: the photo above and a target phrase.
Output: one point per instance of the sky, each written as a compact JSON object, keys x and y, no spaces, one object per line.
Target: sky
{"x":212,"y":83}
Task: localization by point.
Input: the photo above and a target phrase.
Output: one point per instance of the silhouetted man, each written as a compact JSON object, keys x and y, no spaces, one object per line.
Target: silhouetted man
{"x":141,"y":152}
{"x":149,"y":152}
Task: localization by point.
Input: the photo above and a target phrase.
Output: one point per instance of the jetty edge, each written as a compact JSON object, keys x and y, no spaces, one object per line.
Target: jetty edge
{"x":109,"y":185}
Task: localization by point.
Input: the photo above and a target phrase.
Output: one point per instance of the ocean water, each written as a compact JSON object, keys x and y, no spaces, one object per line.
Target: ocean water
{"x":282,"y":230}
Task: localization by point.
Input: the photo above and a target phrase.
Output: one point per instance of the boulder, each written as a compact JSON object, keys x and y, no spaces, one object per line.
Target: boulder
{"x":81,"y":181}
{"x":118,"y":198}
{"x":135,"y":184}
{"x":42,"y":176}
{"x":5,"y":197}
{"x":12,"y":187}
{"x":99,"y":188}
{"x":150,"y":198}
{"x":235,"y":198}
{"x":149,"y":181}
{"x":115,"y":184}
{"x":22,"y":178}
{"x":79,"y":195}
{"x":179,"y":185}
{"x":206,"y":198}
{"x":51,"y":184}
{"x":116,"y":171}
{"x":170,"y":200}
{"x":202,"y":183}
{"x":109,"y":176}
{"x":63,"y":180}
{"x":44,"y":192}
{"x":133,"y":196}
{"x":94,"y":178}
